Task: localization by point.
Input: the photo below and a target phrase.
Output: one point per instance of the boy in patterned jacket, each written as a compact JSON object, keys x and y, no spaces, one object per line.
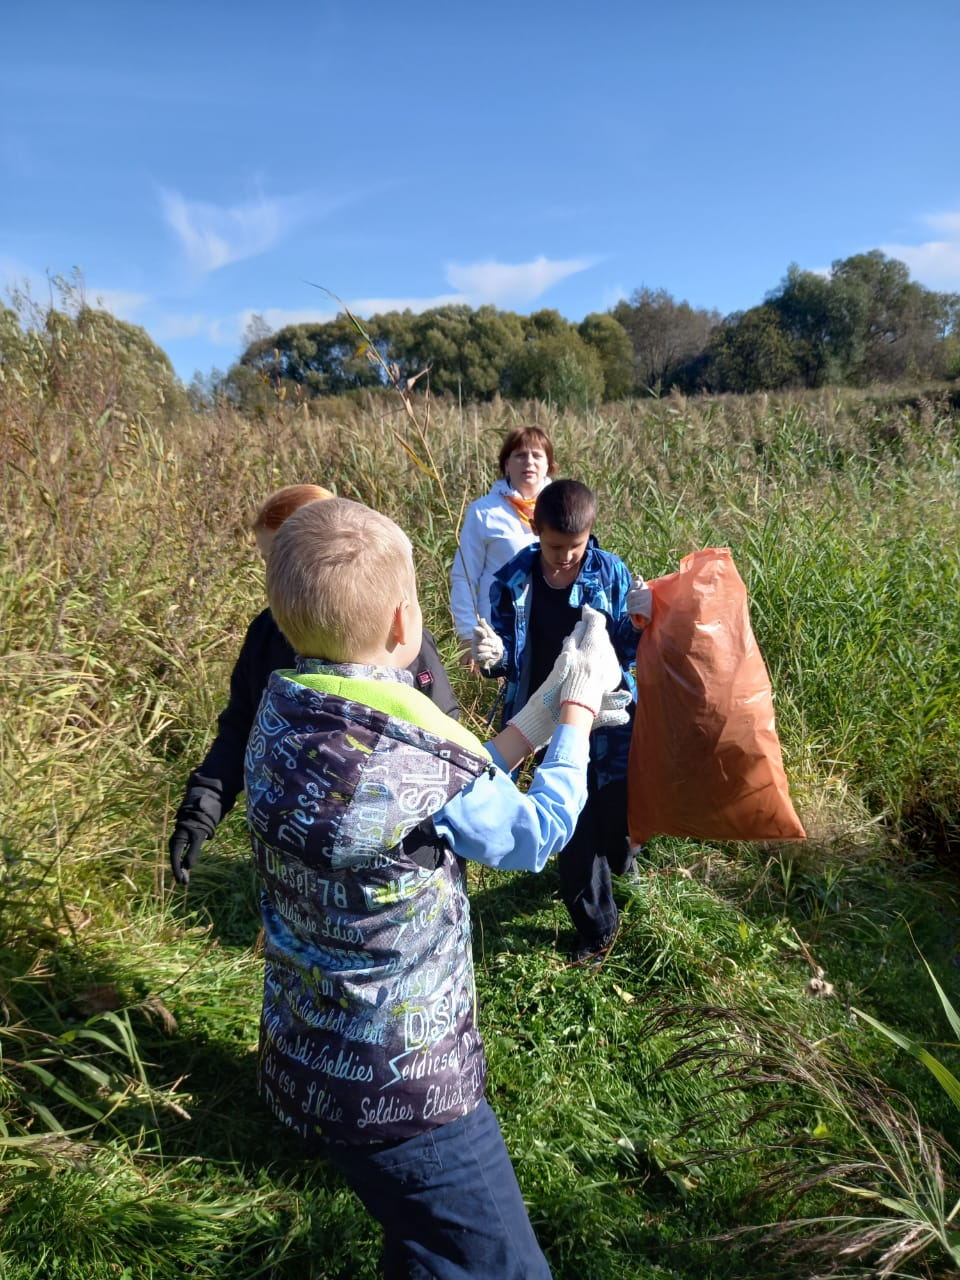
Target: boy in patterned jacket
{"x":535,"y":601}
{"x":363,"y":799}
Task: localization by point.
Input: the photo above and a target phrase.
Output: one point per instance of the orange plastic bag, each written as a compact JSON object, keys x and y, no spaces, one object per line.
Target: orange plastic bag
{"x":705,"y":759}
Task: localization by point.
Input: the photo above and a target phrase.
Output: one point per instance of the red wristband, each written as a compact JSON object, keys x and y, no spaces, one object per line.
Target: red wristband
{"x":572,"y":702}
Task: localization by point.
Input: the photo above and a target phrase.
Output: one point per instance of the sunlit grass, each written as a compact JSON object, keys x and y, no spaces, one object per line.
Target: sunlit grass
{"x":129,"y":1010}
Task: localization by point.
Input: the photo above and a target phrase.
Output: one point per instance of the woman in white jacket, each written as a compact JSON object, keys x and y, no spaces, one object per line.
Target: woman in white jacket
{"x":497,"y":526}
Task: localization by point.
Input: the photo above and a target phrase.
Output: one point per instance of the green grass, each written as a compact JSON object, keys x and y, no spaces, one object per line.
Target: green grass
{"x":131,"y":1139}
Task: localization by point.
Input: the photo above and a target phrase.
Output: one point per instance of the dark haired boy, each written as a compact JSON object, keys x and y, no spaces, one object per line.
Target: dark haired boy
{"x":535,"y":601}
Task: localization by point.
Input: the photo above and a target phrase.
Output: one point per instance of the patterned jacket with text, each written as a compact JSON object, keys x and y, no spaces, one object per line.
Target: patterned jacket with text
{"x":367,"y":1032}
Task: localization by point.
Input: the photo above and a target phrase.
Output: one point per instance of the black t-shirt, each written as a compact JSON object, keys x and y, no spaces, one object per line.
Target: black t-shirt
{"x":552,"y":618}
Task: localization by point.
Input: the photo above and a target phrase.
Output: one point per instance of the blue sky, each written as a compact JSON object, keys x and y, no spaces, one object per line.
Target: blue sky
{"x":202,"y":162}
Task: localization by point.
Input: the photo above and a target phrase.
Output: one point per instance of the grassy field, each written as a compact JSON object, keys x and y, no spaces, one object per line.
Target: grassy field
{"x":690,"y":1109}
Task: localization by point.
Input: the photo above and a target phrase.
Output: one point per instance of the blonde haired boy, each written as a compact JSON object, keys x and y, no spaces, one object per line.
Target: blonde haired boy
{"x":333,"y":596}
{"x":363,"y":800}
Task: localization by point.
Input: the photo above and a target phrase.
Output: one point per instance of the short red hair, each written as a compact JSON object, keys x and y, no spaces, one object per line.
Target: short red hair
{"x":530,"y":438}
{"x":284,"y":502}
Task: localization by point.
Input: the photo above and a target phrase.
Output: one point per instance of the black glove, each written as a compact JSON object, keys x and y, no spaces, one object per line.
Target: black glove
{"x":184,"y":847}
{"x":200,"y":811}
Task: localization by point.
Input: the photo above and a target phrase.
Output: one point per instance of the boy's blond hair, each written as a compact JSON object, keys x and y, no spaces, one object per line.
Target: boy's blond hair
{"x":336,"y":574}
{"x":275,"y":509}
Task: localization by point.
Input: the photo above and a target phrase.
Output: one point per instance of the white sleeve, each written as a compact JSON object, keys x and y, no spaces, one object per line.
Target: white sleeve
{"x":466,"y":573}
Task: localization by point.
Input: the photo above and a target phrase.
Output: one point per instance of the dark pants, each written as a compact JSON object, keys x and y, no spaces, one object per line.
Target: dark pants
{"x":599,"y":846}
{"x":449,"y":1203}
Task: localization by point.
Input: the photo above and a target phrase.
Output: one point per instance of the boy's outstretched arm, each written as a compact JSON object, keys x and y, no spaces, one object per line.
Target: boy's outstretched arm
{"x":492,"y":821}
{"x":586,"y":670}
{"x":212,"y":788}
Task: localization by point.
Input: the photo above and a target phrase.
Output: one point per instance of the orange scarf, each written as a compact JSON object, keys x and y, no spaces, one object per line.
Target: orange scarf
{"x":523,"y":507}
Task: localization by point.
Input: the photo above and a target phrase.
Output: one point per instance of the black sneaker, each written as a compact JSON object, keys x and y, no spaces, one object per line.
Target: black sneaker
{"x":591,"y":951}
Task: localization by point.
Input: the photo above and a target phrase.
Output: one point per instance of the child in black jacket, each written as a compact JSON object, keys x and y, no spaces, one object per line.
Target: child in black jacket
{"x":212,"y":788}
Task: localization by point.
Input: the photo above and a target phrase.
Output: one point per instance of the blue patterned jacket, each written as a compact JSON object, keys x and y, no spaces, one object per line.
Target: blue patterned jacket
{"x":603,"y":583}
{"x":367,"y":1032}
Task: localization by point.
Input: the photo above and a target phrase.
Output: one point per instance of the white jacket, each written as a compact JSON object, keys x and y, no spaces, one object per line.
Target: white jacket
{"x":492,"y":534}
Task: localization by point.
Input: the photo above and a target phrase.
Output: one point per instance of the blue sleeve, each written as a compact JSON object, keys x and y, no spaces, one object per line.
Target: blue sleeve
{"x":492,"y":821}
{"x":623,"y":634}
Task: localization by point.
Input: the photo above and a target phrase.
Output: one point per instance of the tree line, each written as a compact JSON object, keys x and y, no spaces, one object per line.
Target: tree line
{"x":863,"y":322}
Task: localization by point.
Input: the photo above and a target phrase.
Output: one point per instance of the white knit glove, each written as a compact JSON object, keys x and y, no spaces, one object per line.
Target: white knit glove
{"x":538,"y":718}
{"x":486,"y":646}
{"x":594,"y":666}
{"x":613,"y":710}
{"x":639,"y":601}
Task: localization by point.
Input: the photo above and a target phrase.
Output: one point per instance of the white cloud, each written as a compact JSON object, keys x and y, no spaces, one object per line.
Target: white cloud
{"x":503,"y":284}
{"x":16,"y":276}
{"x":934,"y":263}
{"x":506,"y":283}
{"x":212,"y":236}
{"x":231,"y":330}
{"x":119,"y":302}
{"x":948,"y":222}
{"x":171,"y":327}
{"x":611,"y":296}
{"x":278,"y":318}
{"x":234,"y":329}
{"x":70,"y":291}
{"x":378,"y":306}
{"x":479,"y":283}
